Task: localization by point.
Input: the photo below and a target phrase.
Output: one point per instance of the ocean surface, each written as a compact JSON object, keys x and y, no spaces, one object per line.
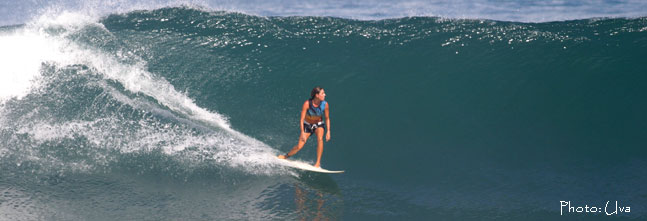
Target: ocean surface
{"x":176,"y":110}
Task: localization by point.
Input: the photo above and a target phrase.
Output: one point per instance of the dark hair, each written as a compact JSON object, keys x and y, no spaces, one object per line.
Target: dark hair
{"x":314,"y":92}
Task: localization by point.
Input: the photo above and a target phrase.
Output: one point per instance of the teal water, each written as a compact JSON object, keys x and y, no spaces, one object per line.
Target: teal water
{"x":177,"y":113}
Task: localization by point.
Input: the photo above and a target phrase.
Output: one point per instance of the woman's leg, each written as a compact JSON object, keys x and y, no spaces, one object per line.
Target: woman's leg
{"x":320,"y":132}
{"x":302,"y":141}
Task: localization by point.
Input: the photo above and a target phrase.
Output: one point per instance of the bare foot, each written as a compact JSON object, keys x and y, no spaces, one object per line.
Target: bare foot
{"x":282,"y":157}
{"x":318,"y":165}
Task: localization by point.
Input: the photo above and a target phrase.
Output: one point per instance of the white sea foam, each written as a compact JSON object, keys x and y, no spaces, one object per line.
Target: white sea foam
{"x":20,"y":61}
{"x":24,"y":50}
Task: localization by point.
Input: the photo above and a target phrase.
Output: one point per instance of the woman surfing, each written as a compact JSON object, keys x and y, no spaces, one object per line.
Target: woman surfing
{"x":312,"y":113}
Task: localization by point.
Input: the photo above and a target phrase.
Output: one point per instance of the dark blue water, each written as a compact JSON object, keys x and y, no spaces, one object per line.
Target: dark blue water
{"x":178,"y":113}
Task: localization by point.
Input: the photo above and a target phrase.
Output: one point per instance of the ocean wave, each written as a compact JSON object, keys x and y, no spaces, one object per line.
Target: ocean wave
{"x":99,"y":100}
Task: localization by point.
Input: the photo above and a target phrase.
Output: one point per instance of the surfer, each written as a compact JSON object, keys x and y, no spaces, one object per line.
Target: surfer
{"x":312,"y":113}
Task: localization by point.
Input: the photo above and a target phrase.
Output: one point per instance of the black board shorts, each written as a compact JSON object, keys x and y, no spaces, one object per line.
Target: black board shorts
{"x":311,"y":128}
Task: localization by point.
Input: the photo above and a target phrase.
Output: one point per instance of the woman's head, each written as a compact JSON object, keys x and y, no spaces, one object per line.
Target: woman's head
{"x":317,"y":92}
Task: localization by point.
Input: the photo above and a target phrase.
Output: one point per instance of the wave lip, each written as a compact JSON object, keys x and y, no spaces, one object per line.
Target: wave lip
{"x":519,"y":11}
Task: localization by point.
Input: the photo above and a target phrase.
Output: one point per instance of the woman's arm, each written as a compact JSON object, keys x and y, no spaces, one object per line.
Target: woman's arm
{"x":304,"y":109}
{"x":327,"y":113}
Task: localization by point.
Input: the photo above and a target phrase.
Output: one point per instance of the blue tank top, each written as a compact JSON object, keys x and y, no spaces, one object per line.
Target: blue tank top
{"x":316,"y":111}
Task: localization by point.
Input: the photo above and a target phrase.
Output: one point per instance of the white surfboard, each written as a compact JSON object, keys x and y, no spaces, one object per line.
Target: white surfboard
{"x":306,"y":166}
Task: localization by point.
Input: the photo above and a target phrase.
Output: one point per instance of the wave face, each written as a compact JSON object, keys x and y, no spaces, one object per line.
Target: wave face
{"x":178,"y":113}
